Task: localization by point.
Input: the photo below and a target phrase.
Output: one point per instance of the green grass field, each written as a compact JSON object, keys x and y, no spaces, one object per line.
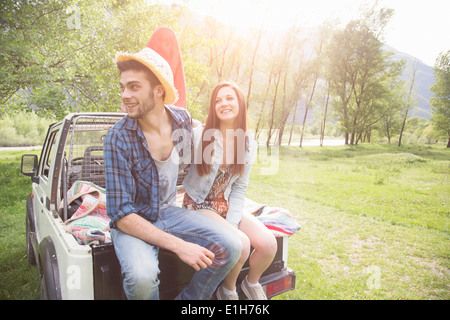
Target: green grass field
{"x":375,"y":221}
{"x":18,"y":280}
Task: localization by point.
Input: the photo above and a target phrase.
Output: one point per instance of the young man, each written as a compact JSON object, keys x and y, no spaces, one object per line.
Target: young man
{"x":142,"y":156}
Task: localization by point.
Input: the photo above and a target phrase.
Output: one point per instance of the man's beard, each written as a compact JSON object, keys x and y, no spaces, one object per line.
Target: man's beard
{"x":145,"y":107}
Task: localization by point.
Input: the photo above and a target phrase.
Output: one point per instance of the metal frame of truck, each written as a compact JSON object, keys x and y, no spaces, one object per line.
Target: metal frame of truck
{"x":73,"y":151}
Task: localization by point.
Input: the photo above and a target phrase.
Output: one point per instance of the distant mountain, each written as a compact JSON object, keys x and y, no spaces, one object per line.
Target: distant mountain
{"x":424,"y":81}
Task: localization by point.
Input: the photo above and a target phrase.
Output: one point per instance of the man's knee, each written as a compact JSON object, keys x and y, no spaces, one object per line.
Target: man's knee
{"x":227,"y":251}
{"x":141,"y":284}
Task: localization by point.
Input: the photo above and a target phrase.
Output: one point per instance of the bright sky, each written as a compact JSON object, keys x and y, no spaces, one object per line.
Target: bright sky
{"x":419,"y":27}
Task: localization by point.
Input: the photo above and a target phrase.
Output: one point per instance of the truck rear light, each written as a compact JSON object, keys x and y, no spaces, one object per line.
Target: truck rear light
{"x":281,"y":285}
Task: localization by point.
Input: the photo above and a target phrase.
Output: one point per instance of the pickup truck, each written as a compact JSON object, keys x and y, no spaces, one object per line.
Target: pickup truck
{"x":73,"y":151}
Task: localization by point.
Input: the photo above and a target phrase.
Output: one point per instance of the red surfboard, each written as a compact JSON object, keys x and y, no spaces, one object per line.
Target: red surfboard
{"x":165,"y":43}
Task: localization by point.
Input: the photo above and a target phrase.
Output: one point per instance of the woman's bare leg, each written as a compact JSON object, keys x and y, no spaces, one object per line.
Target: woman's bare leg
{"x":264,"y":244}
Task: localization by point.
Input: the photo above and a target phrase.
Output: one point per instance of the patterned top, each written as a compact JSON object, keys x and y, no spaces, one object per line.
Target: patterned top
{"x":215,"y":200}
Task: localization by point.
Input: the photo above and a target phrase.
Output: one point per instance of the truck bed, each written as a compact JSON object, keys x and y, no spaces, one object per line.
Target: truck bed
{"x":175,"y":274}
{"x":73,"y":151}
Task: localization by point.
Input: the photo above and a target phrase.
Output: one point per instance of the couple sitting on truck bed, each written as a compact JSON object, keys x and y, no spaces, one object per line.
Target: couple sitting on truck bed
{"x":143,"y":153}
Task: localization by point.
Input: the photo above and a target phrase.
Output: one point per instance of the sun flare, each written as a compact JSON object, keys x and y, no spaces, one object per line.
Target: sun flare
{"x":273,"y":15}
{"x":430,"y":35}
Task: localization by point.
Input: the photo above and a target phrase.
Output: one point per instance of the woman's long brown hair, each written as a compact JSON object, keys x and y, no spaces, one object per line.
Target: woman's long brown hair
{"x":240,"y":127}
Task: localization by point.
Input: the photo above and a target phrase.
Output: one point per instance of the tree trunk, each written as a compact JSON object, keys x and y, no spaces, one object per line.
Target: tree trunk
{"x":253,"y":64}
{"x":293,"y":123}
{"x":273,"y":109}
{"x":303,"y":125}
{"x":306,"y":111}
{"x":403,"y":127}
{"x":257,"y":130}
{"x":388,"y":131}
{"x":408,"y":103}
{"x":322,"y":125}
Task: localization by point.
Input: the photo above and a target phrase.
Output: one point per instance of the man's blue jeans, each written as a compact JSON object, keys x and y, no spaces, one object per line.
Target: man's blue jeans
{"x":139,"y":260}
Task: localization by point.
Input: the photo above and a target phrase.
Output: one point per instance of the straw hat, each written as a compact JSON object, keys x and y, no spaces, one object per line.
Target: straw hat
{"x":158,"y":66}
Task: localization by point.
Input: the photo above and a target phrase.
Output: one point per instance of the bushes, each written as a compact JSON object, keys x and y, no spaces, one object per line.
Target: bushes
{"x":23,"y":129}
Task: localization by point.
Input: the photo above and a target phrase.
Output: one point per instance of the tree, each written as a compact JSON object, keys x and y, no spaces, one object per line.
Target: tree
{"x":262,"y":109}
{"x":357,"y":72}
{"x":279,"y":67}
{"x":391,"y":122}
{"x":408,"y":102}
{"x":29,"y":52}
{"x":326,"y":32}
{"x":339,"y":59}
{"x":440,"y":103}
{"x":285,"y":67}
{"x":295,"y":80}
{"x":315,"y":69}
{"x":252,"y":65}
{"x":58,"y":55}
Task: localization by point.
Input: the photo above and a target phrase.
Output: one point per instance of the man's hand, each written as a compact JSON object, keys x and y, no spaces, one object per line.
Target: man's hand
{"x":194,"y":255}
{"x":190,"y":253}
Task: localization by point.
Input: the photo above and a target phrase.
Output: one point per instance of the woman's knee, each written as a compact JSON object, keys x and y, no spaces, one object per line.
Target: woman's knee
{"x":261,"y":238}
{"x":266,"y":244}
{"x":245,"y":247}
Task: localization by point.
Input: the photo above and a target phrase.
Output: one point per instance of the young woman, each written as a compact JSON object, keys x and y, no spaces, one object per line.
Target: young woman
{"x":216,"y":186}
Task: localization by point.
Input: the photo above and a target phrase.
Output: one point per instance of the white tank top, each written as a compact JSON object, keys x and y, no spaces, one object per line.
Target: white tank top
{"x":168,"y":176}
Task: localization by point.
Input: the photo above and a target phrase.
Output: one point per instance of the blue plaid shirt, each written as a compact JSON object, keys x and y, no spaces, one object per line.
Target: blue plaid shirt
{"x":132,"y":181}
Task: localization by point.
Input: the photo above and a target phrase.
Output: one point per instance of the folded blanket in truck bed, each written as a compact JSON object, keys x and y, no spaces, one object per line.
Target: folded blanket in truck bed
{"x":279,"y":220}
